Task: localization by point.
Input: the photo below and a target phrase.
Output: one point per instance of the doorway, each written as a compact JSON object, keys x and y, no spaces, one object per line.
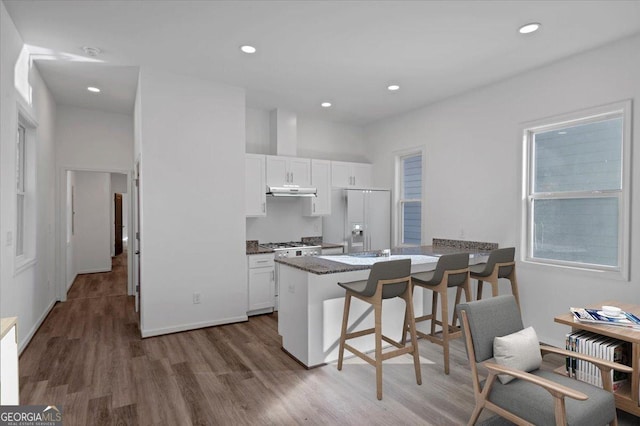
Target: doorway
{"x":95,"y":211}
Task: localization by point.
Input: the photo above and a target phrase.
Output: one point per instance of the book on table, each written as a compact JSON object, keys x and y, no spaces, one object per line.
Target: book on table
{"x":595,"y":316}
{"x":598,"y":346}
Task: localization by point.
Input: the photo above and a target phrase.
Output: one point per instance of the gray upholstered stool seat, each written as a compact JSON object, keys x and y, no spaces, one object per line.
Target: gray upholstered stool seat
{"x":452,"y":270}
{"x":387,"y":279}
{"x":501,"y":264}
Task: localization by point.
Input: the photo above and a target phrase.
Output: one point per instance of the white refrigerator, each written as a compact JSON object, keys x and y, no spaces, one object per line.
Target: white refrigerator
{"x":360,"y":219}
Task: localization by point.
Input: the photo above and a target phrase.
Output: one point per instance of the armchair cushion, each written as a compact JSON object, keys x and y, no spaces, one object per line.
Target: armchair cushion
{"x":535,"y":404}
{"x":520,"y":350}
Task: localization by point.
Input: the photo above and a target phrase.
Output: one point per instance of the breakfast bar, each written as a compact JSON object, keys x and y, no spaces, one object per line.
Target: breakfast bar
{"x":311,"y":302}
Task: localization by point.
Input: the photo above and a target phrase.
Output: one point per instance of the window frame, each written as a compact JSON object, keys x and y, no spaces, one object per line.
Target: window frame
{"x":27,"y":258}
{"x":400,"y":200}
{"x":622,"y":110}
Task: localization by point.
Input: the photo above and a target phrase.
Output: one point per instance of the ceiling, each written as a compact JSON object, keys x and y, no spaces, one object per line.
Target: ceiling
{"x":346,"y":52}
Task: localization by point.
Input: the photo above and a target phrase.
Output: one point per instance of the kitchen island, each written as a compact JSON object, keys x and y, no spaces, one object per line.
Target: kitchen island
{"x":311,"y":302}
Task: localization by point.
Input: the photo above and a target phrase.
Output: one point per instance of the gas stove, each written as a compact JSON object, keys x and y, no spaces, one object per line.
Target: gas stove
{"x":293,"y":249}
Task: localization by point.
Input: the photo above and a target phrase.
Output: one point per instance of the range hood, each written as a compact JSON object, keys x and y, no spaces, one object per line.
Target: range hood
{"x":290,"y":191}
{"x":284,"y":141}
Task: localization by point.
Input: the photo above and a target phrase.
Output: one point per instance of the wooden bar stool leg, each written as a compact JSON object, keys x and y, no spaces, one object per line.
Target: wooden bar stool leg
{"x":494,"y":287}
{"x":434,"y":310}
{"x":514,"y":286}
{"x":343,"y":333}
{"x":479,"y":292}
{"x":378,"y":327}
{"x":408,"y":298}
{"x":457,"y":301}
{"x":444,"y":307}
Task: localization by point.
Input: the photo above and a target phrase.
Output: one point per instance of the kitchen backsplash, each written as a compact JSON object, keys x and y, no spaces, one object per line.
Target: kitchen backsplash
{"x":284,"y":222}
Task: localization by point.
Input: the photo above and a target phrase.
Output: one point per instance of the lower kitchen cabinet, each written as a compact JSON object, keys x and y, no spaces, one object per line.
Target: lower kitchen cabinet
{"x":262,"y":284}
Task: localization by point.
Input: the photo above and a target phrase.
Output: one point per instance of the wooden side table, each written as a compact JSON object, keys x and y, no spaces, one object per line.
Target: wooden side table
{"x":627,"y":396}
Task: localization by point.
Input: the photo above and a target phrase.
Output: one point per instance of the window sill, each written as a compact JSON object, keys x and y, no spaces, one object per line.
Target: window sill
{"x":22,"y":264}
{"x":576,"y":270}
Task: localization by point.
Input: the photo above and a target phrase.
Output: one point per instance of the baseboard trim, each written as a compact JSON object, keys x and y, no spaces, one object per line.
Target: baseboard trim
{"x":193,"y":326}
{"x":94,"y":271}
{"x":70,"y":283}
{"x":27,"y":339}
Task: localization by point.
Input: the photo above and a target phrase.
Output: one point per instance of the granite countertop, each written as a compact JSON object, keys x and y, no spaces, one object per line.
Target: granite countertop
{"x":254,"y":248}
{"x":321,"y":266}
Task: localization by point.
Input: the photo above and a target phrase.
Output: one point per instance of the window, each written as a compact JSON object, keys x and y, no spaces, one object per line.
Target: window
{"x":577,"y":190}
{"x":410,"y":200}
{"x":20,"y":189}
{"x":25,"y":185}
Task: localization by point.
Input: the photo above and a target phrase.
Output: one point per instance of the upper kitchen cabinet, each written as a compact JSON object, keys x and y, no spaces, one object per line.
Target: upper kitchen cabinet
{"x":288,"y":171}
{"x":351,"y":175}
{"x":320,"y":205}
{"x":255,"y":186}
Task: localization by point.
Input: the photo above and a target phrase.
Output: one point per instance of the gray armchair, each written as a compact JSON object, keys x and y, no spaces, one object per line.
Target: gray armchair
{"x":537,"y":397}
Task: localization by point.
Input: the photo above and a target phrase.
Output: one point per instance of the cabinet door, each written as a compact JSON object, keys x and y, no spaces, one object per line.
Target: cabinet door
{"x":362,"y":175}
{"x":255,"y":188}
{"x":340,"y":174}
{"x":277,"y":173}
{"x":261,"y":288}
{"x":319,"y":205}
{"x":299,"y":171}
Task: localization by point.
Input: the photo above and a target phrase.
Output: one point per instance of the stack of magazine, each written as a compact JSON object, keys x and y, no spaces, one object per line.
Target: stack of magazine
{"x":624,"y":319}
{"x":597,"y":346}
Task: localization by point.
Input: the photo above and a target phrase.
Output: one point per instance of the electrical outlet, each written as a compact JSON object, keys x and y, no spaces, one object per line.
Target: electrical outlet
{"x":196,"y":298}
{"x":292,"y":288}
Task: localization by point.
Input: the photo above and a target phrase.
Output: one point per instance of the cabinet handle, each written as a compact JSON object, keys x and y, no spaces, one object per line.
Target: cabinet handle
{"x":273,"y":275}
{"x":261,"y":261}
{"x":314,"y":207}
{"x":291,"y":177}
{"x":263,"y":208}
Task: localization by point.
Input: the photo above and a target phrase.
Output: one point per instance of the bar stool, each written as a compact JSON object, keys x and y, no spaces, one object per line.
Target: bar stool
{"x":386,"y":280}
{"x":501,"y":264}
{"x":452,"y":270}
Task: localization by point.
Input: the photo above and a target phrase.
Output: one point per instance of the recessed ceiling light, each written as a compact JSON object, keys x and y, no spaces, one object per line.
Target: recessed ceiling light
{"x":393,"y":87}
{"x":529,"y":28}
{"x":91,"y":51}
{"x":562,"y":132}
{"x":93,"y":89}
{"x":248,"y":49}
{"x":325,"y":104}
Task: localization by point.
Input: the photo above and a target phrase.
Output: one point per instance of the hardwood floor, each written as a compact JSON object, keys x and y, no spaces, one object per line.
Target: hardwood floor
{"x":89,"y":358}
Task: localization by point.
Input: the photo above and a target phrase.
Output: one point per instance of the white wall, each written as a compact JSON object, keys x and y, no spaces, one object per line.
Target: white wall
{"x":92,"y":222}
{"x":93,"y":139}
{"x":284,"y":222}
{"x":473,"y":168}
{"x":28,"y":294}
{"x":192,"y":194}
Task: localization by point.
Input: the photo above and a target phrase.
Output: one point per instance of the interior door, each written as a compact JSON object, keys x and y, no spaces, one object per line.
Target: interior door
{"x":137,"y":242}
{"x":117,"y":223}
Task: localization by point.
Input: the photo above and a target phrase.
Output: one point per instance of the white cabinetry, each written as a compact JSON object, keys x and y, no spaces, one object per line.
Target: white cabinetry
{"x":333,"y":250}
{"x":255,"y":187}
{"x":351,"y":175}
{"x":320,"y":205}
{"x":9,"y":384}
{"x":288,"y":171}
{"x":262,"y":284}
